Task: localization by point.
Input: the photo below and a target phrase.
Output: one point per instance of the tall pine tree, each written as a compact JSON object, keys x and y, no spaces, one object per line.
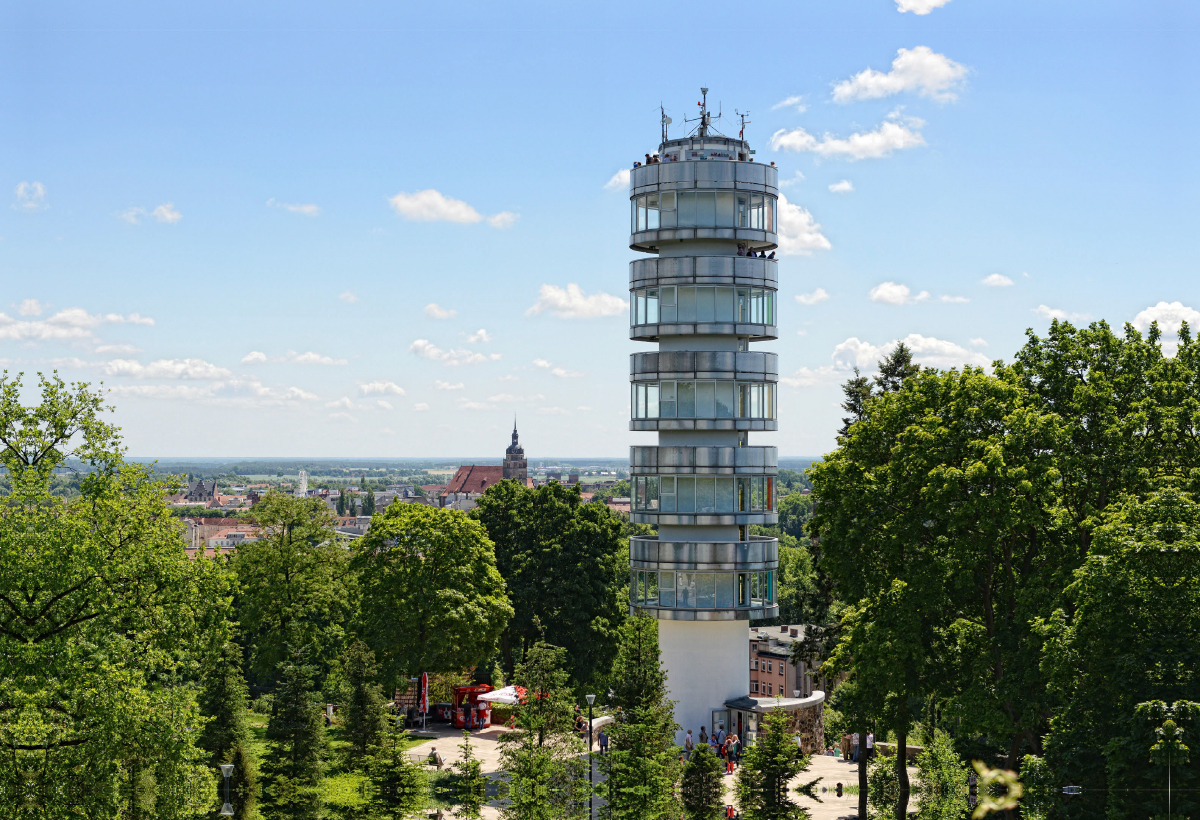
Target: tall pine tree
{"x":767,"y":766}
{"x":224,"y":700}
{"x":296,"y":746}
{"x":363,"y":715}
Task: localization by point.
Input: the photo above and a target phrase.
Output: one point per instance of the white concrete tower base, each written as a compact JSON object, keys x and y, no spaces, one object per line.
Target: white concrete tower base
{"x":707,"y":663}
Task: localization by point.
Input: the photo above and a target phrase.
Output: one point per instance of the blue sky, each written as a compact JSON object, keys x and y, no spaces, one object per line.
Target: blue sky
{"x":239,"y":216}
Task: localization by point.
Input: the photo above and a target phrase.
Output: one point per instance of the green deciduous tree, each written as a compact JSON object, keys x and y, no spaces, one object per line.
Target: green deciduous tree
{"x":566,"y":565}
{"x":767,"y":766}
{"x":295,"y":587}
{"x":296,"y":746}
{"x":432,"y":599}
{"x":103,"y":619}
{"x":363,"y":716}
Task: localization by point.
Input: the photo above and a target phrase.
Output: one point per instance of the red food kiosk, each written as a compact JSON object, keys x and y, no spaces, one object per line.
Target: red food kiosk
{"x":469,"y":711}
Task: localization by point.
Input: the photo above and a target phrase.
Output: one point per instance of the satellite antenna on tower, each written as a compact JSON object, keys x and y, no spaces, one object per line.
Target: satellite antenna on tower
{"x":745,"y":122}
{"x":665,"y":122}
{"x":705,"y":118}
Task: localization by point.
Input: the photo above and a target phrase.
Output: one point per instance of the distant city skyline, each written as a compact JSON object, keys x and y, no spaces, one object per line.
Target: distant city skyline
{"x":377,"y":231}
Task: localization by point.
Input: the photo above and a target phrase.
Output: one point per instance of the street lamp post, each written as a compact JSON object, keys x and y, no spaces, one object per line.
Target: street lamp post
{"x":227,"y":809}
{"x":591,"y":776}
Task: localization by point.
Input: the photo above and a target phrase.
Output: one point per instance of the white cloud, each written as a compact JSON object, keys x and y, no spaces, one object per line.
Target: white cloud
{"x":509,"y":397}
{"x":132,"y":215}
{"x":441,"y":385}
{"x":166,"y":213}
{"x":70,"y":324}
{"x":504,"y":219}
{"x":117,"y":348}
{"x":919,"y":6}
{"x":166,"y":369}
{"x":799,"y":233}
{"x":387,"y":431}
{"x":583,"y":408}
{"x":926,"y":350}
{"x":343,"y":417}
{"x":467,"y":404}
{"x":541,"y":363}
{"x":509,"y":378}
{"x":920,"y":69}
{"x":816,"y":297}
{"x":433,"y":206}
{"x":563,"y":373}
{"x":31,"y":307}
{"x":979,"y":343}
{"x":843,"y":187}
{"x":31,"y":196}
{"x":809,"y":376}
{"x":435,"y":311}
{"x":380,"y":386}
{"x":955,"y":300}
{"x":573,"y":303}
{"x":348,"y":296}
{"x":420,"y":406}
{"x":254,"y":357}
{"x":888,"y":137}
{"x":343,"y":402}
{"x":451,"y":358}
{"x":797,"y":102}
{"x":250,"y":393}
{"x":619,"y":181}
{"x":894,"y":293}
{"x":796,"y":180}
{"x":1170,"y":316}
{"x":552,"y":411}
{"x":996,"y":280}
{"x":1047,"y":312}
{"x":292,"y":357}
{"x":480,"y":335}
{"x":386,"y":405}
{"x":306,"y":210}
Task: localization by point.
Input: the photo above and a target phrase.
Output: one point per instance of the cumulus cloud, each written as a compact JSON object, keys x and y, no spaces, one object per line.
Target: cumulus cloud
{"x":348,"y":296}
{"x":1047,"y":312}
{"x":441,"y":385}
{"x":420,"y":406}
{"x":809,"y":376}
{"x":248,"y":393}
{"x":619,"y":181}
{"x":292,"y":357}
{"x":926,"y":350}
{"x":894,"y":293}
{"x":166,"y":213}
{"x":451,"y":358}
{"x":1170,"y":317}
{"x":573,"y":303}
{"x":433,"y":206}
{"x":796,"y":180}
{"x":166,"y":369}
{"x":386,"y":405}
{"x":31,"y":307}
{"x":478,"y":336}
{"x":132,"y":215}
{"x":435,"y":311}
{"x":799,"y":232}
{"x":843,"y":187}
{"x":343,"y":402}
{"x":306,"y":210}
{"x":888,"y":137}
{"x":504,"y":219}
{"x":468,"y":404}
{"x":796,"y":102}
{"x":996,"y":280}
{"x":979,"y":343}
{"x":31,"y":196}
{"x":955,"y":300}
{"x":70,"y":324}
{"x":343,"y":416}
{"x":541,"y":363}
{"x":381,"y":387}
{"x":117,"y":348}
{"x":508,"y":378}
{"x":816,"y":297}
{"x":919,"y":6}
{"x":920,"y":69}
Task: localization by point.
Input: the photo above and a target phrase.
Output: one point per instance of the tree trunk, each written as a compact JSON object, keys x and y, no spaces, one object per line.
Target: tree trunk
{"x":862,"y":774}
{"x":902,"y":773}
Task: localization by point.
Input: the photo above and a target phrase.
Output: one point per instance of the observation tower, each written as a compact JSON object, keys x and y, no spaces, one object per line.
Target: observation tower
{"x":698,"y":294}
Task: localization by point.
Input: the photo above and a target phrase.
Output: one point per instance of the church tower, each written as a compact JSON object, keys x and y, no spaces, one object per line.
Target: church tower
{"x":515,"y":465}
{"x":704,"y":214}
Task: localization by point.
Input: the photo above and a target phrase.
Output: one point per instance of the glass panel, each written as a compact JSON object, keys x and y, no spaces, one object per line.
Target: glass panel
{"x":687,"y":304}
{"x":633,"y":585}
{"x":668,"y":296}
{"x":687,"y":399}
{"x":743,"y":499}
{"x":652,"y":492}
{"x":706,"y":308}
{"x":652,"y":588}
{"x":666,"y":589}
{"x":770,"y":493}
{"x":757,"y":486}
{"x":652,"y":307}
{"x":724,"y":590}
{"x":685,"y":589}
{"x":771,"y":214}
{"x":743,"y":589}
{"x":651,"y":401}
{"x":743,"y":305}
{"x":652,"y":215}
{"x":756,"y":589}
{"x":755,"y":392}
{"x":640,"y":593}
{"x":756,"y":306}
{"x":725,"y":495}
{"x":725,"y":209}
{"x":770,"y":401}
{"x":724,"y":400}
{"x":641,"y":308}
{"x":641,"y":213}
{"x":724,"y":304}
{"x":638,"y":494}
{"x":667,"y":494}
{"x":706,"y":590}
{"x":639,"y":407}
{"x":687,"y":209}
{"x":769,"y":587}
{"x":756,"y":211}
{"x":769,"y":298}
{"x":668,"y":201}
{"x":705,"y":496}
{"x":706,"y":210}
{"x":743,"y":400}
{"x":743,"y":210}
{"x":705,"y":409}
{"x":685,"y":494}
{"x":667,"y":219}
{"x":633,"y":215}
{"x":666,"y":400}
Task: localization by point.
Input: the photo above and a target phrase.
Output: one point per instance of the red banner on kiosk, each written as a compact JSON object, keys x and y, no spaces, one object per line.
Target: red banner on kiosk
{"x":423,"y":694}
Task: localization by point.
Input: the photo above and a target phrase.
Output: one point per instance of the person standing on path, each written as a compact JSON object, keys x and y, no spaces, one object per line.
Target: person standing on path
{"x":870,"y":745}
{"x":854,"y":747}
{"x":688,"y":745}
{"x":603,"y":742}
{"x":731,"y":752}
{"x":703,"y":735}
{"x":721,"y":735}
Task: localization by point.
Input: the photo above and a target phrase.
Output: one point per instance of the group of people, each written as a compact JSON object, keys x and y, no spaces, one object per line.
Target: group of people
{"x":581,"y":729}
{"x":744,"y":251}
{"x":728,"y":747}
{"x":850,"y":746}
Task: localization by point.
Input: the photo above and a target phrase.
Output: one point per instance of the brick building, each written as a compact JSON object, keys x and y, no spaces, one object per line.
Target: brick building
{"x":771,"y":669}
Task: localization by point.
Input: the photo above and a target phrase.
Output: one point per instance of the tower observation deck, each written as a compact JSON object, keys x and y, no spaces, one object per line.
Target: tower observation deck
{"x":705,"y":216}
